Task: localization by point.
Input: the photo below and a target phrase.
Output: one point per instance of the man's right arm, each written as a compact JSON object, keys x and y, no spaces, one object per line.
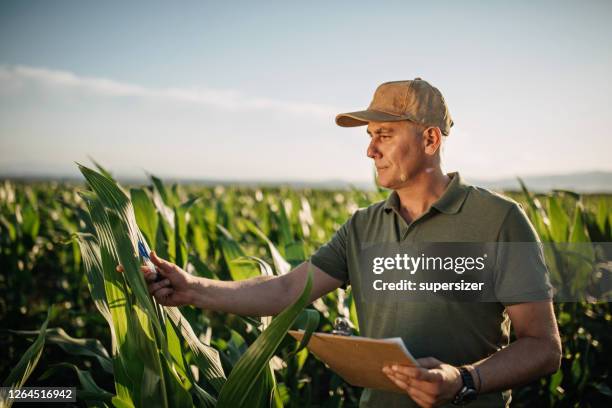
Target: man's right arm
{"x":262,"y":295}
{"x":259,"y":296}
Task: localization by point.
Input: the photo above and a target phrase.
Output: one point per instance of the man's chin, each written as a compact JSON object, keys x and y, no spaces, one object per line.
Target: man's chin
{"x":385,"y":183}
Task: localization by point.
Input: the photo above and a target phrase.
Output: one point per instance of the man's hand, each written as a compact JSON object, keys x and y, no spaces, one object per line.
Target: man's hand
{"x":432,"y":384}
{"x":258,"y":296}
{"x":176,"y":286}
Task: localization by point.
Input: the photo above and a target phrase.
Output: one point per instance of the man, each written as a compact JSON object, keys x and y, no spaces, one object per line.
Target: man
{"x":462,"y":346}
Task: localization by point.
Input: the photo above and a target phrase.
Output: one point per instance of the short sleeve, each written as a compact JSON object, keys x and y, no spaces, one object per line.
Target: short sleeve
{"x":331,"y":258}
{"x":521,"y":274}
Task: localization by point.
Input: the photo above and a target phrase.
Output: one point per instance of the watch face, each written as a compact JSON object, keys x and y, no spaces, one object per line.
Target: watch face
{"x":469,"y":395}
{"x":465,"y":395}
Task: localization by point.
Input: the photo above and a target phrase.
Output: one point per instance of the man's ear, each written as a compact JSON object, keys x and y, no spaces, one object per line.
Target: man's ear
{"x":432,"y":139}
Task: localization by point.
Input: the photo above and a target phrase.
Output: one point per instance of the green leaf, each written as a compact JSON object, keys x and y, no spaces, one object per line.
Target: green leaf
{"x":168,"y":198}
{"x":27,"y":363}
{"x":537,"y":213}
{"x":31,"y":219}
{"x":578,"y":231}
{"x":102,"y":170}
{"x":295,"y":253}
{"x":126,"y":368}
{"x":146,"y":216}
{"x":353,"y":310}
{"x":206,"y":358}
{"x":80,"y":347}
{"x":264,"y":267}
{"x":580,"y":253}
{"x":284,"y":226}
{"x":603,"y":389}
{"x":602,"y":215}
{"x":92,"y":391}
{"x":90,"y":253}
{"x":555,"y":381}
{"x":143,"y":374}
{"x":240,"y":382}
{"x":180,"y":231}
{"x":559,"y":220}
{"x":232,"y":252}
{"x":236,"y":347}
{"x":148,"y":364}
{"x":308,"y":320}
{"x":280,"y":264}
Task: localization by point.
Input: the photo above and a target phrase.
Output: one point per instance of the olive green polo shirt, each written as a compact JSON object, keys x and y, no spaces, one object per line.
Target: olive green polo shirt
{"x":454,"y":332}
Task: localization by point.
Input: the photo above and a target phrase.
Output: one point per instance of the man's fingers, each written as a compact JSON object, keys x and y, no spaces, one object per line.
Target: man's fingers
{"x":421,"y":397}
{"x":429,"y":362}
{"x":417,"y":373}
{"x":157,"y":261}
{"x":403,"y":382}
{"x":146,"y":271}
{"x":153,"y":287}
{"x":401,"y":377}
{"x":149,"y":275}
{"x":409,"y":371}
{"x":398,"y":382}
{"x":163,"y":266}
{"x":162,"y":293}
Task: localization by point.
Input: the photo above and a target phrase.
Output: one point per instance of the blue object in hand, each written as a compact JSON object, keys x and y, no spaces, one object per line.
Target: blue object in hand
{"x":142,"y":251}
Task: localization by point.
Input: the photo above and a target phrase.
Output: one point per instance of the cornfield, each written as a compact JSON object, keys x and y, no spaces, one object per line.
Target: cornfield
{"x":69,"y":319}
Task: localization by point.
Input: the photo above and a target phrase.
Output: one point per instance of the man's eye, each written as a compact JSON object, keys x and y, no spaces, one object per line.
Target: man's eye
{"x":385,"y":136}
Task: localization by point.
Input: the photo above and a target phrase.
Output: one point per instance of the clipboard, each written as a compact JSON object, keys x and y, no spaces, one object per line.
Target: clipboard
{"x":359,"y":360}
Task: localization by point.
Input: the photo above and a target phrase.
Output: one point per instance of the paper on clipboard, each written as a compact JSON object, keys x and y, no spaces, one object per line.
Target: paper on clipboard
{"x":359,"y":360}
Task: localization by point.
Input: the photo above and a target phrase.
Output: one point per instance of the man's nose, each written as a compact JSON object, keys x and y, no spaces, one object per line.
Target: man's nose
{"x":373,"y":151}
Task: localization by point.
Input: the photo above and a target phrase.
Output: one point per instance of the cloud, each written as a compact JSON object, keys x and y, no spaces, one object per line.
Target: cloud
{"x":225,"y":99}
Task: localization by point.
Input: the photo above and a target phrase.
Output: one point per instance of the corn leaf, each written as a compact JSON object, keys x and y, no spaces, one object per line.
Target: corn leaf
{"x":79,"y":347}
{"x":308,"y":320}
{"x":232,"y":252}
{"x":206,"y":357}
{"x":27,"y":363}
{"x":168,"y":198}
{"x":90,"y":391}
{"x":148,"y":357}
{"x":284,"y":226}
{"x":90,"y":253}
{"x":102,"y":169}
{"x":281,"y":266}
{"x":146,"y":216}
{"x":180,"y":231}
{"x":236,"y":391}
{"x":560,"y":223}
{"x":581,"y":254}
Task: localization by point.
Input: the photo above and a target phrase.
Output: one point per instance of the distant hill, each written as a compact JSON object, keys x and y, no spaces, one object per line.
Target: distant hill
{"x":587,"y":182}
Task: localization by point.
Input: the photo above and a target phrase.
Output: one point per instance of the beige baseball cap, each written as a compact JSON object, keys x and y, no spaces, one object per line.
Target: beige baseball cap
{"x":414,"y":100}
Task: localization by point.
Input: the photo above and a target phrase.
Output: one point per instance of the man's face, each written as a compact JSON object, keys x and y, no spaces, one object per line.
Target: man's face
{"x":397,"y":150}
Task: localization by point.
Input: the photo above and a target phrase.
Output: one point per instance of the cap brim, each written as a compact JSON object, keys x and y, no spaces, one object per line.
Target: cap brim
{"x":361,"y":118}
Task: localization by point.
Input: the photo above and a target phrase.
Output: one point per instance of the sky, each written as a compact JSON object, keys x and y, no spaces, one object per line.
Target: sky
{"x":249,"y":90}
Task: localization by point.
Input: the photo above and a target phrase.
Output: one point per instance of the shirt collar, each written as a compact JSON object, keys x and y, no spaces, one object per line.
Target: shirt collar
{"x":449,"y":203}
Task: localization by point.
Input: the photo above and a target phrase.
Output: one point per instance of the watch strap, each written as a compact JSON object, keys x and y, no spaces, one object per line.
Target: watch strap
{"x":468,"y":392}
{"x":467,"y":378}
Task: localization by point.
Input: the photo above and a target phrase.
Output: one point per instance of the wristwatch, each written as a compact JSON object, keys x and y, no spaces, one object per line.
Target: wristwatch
{"x":468,"y":392}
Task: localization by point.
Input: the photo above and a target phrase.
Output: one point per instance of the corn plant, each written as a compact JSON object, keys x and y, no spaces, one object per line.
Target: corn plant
{"x":26,"y":364}
{"x":148,"y":340}
{"x":52,"y":253}
{"x":566,"y":227}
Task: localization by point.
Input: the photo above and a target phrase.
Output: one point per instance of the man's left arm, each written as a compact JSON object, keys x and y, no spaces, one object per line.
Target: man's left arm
{"x":535,"y":353}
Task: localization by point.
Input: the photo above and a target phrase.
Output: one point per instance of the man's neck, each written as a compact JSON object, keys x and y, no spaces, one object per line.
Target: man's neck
{"x":418,"y":194}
